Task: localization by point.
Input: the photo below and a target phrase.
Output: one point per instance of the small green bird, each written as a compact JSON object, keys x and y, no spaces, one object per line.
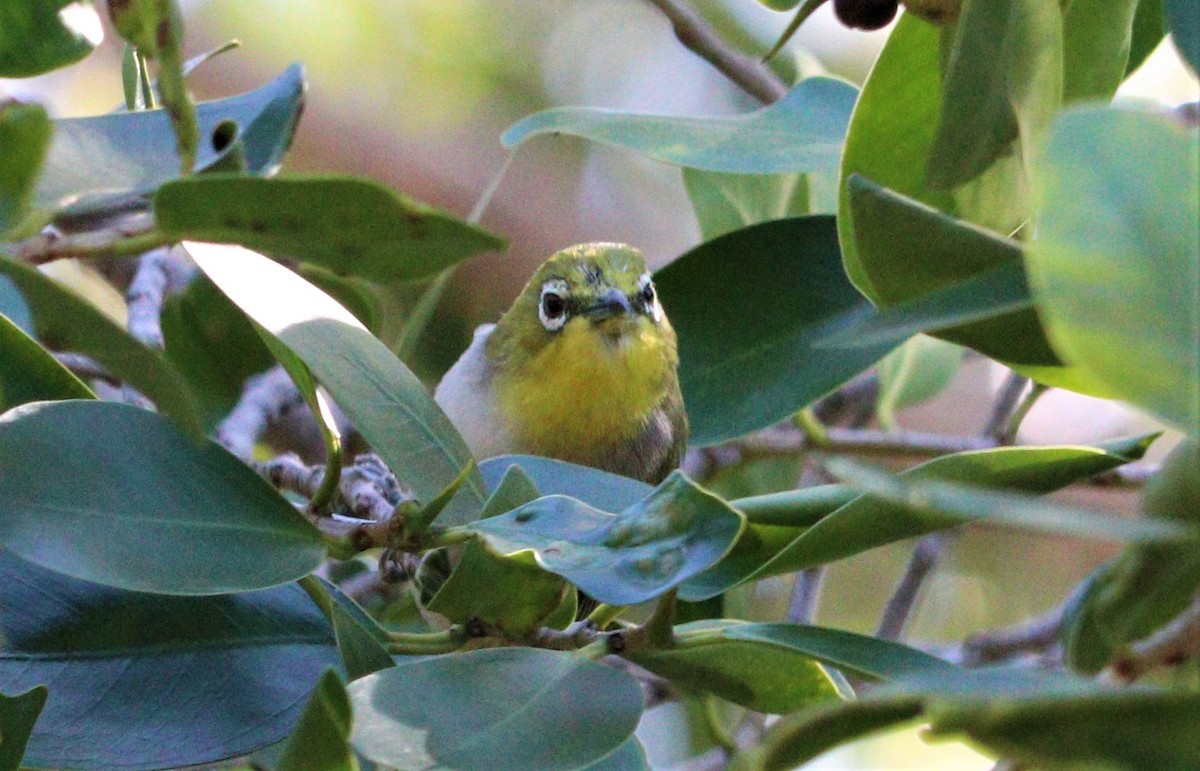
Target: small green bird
{"x":582,"y":367}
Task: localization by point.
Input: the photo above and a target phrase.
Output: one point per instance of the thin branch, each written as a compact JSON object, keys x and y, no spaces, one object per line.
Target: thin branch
{"x":133,"y":235}
{"x":1006,"y":402}
{"x":84,"y":367}
{"x":1034,"y":635}
{"x":266,"y":398}
{"x":926,"y":554}
{"x":802,"y":608}
{"x":1174,"y":644}
{"x":747,"y":72}
{"x":367,"y":489}
{"x":156,"y":275}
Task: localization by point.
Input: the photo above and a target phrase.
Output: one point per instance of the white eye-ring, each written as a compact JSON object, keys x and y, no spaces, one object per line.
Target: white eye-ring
{"x":648,"y":297}
{"x":552,"y":307}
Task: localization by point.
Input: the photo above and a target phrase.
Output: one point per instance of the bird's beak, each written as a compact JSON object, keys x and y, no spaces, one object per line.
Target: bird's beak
{"x":611,"y":303}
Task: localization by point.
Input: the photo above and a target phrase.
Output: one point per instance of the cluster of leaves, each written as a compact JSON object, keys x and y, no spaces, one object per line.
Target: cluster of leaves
{"x":157,"y":604}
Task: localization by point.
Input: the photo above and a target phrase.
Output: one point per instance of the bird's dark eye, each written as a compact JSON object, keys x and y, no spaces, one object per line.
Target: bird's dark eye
{"x":553,"y":305}
{"x":648,"y":294}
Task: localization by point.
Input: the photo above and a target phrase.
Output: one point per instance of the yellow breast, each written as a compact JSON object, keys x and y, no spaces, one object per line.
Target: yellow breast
{"x":589,"y":389}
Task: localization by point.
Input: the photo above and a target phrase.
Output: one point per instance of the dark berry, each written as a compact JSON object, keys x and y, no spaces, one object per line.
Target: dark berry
{"x":865,"y":14}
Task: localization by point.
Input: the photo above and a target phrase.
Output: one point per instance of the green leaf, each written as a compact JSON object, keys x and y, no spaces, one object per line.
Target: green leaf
{"x":321,"y":741}
{"x":28,"y":373}
{"x":803,"y":131}
{"x":465,"y":711}
{"x":916,"y":372}
{"x":917,"y":250}
{"x":800,"y":507}
{"x":1184,"y":18}
{"x":759,"y":676}
{"x":139,"y":150}
{"x":724,"y":203}
{"x":361,"y":642}
{"x":934,"y":505}
{"x":18,"y":715}
{"x":208,"y":677}
{"x":799,"y":738}
{"x":598,"y":489}
{"x":213,"y":346}
{"x":44,"y":35}
{"x":854,"y":654}
{"x":1097,"y":727}
{"x":65,"y":321}
{"x":866,"y":523}
{"x":511,"y":592}
{"x":1107,"y":238}
{"x":24,"y":139}
{"x":748,"y":309}
{"x":357,"y":295}
{"x":1147,"y":585}
{"x":387,"y":403}
{"x":622,"y":559}
{"x":350,"y":226}
{"x":114,"y":494}
{"x":1003,"y":83}
{"x":629,"y":756}
{"x":1149,"y":28}
{"x":1097,"y":35}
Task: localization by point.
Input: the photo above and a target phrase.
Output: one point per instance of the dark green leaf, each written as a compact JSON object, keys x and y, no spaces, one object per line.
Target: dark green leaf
{"x":854,"y":654}
{"x":724,"y":203}
{"x":801,"y":507}
{"x":139,"y":151}
{"x":115,"y":494}
{"x":916,"y":250}
{"x":1146,"y":586}
{"x":65,"y":321}
{"x":360,"y":640}
{"x":799,"y":738}
{"x":28,"y":373}
{"x":526,"y":706}
{"x":627,"y":558}
{"x":1149,"y":28}
{"x":934,"y":505}
{"x":866,"y":523}
{"x":355,"y":294}
{"x":387,"y":403}
{"x":1096,"y":39}
{"x":1184,"y":18}
{"x":748,"y":309}
{"x":18,"y":715}
{"x":596,"y":488}
{"x":1003,"y":83}
{"x":207,"y":677}
{"x":803,"y":131}
{"x":24,"y":139}
{"x":1107,"y":239}
{"x":630,"y":756}
{"x":509,"y":591}
{"x":321,"y":741}
{"x":350,"y":226}
{"x":44,"y":35}
{"x":213,"y":346}
{"x":757,"y":675}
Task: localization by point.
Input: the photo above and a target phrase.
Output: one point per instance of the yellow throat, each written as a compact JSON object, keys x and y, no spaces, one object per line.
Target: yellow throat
{"x":585,"y":357}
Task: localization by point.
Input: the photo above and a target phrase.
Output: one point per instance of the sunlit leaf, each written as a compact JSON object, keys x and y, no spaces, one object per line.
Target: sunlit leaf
{"x":803,"y":131}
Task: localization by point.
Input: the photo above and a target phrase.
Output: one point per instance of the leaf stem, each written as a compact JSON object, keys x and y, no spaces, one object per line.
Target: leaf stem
{"x":424,"y":643}
{"x":604,"y":614}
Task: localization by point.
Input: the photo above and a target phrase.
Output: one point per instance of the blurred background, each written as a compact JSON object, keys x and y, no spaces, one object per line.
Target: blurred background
{"x":415,"y":94}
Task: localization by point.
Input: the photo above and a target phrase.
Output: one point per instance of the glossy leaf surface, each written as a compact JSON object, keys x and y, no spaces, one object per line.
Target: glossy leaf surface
{"x":524,"y":705}
{"x":188,"y":518}
{"x":225,"y":674}
{"x":622,"y":559}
